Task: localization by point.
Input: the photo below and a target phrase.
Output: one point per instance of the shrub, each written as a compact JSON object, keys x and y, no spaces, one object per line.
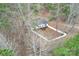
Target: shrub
{"x":70,"y":47}
{"x":4,"y":22}
{"x":6,"y":52}
{"x":3,"y":7}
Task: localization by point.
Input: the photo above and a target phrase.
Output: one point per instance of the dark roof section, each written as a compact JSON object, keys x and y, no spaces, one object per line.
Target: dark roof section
{"x":41,"y":21}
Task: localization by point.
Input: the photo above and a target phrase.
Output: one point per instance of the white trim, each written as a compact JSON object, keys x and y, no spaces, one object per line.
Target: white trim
{"x":39,"y":34}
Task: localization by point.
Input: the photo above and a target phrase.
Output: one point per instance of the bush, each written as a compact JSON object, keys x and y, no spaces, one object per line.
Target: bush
{"x":3,"y":7}
{"x":4,"y":22}
{"x":65,"y":9}
{"x":70,"y":47}
{"x":6,"y":52}
{"x":50,"y":6}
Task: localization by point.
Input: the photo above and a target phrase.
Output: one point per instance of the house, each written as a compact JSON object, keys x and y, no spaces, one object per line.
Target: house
{"x":41,"y":23}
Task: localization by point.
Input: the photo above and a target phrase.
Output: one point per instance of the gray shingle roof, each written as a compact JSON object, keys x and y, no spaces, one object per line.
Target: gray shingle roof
{"x":42,"y":21}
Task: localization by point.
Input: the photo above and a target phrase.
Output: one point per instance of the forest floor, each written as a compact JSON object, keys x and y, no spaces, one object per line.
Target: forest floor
{"x":21,"y":39}
{"x":50,"y":34}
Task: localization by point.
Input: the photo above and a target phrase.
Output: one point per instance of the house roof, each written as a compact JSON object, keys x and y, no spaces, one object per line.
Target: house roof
{"x":41,"y":21}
